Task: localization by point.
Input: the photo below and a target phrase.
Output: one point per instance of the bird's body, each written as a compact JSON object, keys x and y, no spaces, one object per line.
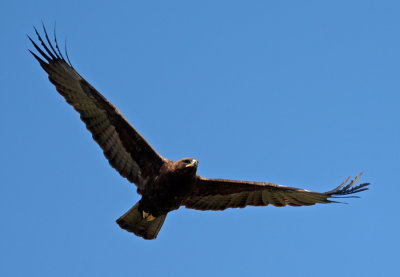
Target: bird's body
{"x":178,"y":177}
{"x":164,"y":185}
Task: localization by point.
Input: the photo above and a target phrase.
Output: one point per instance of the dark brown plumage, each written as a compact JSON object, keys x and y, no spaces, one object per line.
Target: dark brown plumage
{"x":164,"y":185}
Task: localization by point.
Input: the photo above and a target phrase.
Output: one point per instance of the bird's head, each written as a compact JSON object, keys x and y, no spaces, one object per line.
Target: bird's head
{"x":187,"y":165}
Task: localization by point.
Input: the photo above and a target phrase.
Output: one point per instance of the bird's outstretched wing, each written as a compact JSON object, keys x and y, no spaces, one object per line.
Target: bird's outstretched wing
{"x":126,"y":150}
{"x":220,"y":194}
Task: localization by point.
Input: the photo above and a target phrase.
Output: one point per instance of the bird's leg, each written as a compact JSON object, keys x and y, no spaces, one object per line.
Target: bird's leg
{"x":147,"y":216}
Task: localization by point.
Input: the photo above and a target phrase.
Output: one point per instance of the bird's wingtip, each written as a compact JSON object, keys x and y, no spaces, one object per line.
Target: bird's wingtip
{"x":344,"y":189}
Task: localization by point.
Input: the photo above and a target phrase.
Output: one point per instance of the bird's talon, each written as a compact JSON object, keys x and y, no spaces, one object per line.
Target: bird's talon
{"x":148,"y":216}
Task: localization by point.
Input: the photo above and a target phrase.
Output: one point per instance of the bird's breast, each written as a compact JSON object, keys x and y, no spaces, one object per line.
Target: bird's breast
{"x":166,"y":194}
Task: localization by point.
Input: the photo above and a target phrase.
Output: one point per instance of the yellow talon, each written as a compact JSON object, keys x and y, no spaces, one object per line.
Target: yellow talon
{"x":148,"y":216}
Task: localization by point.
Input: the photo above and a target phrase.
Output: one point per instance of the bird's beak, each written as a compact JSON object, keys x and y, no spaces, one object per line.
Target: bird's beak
{"x":192,"y":164}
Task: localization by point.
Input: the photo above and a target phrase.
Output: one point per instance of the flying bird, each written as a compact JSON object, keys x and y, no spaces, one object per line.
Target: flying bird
{"x":164,"y":185}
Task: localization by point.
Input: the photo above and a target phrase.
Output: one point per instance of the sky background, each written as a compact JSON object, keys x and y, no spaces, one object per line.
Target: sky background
{"x":298,"y":93}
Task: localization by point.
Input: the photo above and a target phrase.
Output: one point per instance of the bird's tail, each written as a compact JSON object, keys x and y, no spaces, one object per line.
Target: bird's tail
{"x":133,"y":221}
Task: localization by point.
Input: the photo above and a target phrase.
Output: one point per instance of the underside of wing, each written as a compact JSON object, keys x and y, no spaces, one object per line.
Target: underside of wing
{"x":220,"y":194}
{"x":126,"y":150}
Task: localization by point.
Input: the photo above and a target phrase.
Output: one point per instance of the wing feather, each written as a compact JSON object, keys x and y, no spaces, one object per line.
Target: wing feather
{"x":220,"y":194}
{"x":126,"y":150}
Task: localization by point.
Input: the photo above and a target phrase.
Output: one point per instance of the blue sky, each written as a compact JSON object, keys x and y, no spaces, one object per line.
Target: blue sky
{"x":299,"y":93}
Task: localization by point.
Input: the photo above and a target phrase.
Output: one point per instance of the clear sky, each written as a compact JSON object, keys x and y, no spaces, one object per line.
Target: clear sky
{"x":298,"y":93}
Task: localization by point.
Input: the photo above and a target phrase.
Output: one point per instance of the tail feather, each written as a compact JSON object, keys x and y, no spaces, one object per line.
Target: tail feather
{"x":133,"y":222}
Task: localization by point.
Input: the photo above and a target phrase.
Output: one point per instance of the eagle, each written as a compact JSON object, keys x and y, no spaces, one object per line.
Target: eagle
{"x":164,"y":185}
